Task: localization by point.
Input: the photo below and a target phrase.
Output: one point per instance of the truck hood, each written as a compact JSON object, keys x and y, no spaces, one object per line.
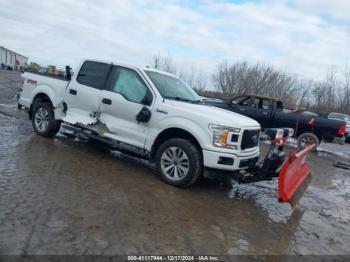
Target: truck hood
{"x":214,"y":115}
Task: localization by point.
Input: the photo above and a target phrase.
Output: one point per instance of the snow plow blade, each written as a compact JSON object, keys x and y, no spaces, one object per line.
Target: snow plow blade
{"x":294,"y":177}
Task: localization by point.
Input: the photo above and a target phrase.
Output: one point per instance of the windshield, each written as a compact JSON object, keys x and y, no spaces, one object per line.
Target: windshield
{"x":172,"y":87}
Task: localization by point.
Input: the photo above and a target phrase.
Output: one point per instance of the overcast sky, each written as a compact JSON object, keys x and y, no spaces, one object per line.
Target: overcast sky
{"x":303,"y":37}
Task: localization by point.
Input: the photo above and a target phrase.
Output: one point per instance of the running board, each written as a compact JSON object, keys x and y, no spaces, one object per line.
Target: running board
{"x":115,"y":144}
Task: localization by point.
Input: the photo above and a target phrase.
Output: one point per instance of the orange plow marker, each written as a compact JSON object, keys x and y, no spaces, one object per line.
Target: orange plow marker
{"x":294,"y":176}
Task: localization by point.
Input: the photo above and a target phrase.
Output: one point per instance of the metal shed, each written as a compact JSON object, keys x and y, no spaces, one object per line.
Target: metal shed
{"x":11,"y":58}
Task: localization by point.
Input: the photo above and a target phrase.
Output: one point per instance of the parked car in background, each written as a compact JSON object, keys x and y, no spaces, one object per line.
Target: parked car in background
{"x":342,"y":117}
{"x":269,"y":112}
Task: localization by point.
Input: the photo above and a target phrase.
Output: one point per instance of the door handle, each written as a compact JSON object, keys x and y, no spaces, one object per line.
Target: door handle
{"x":72,"y":91}
{"x":242,"y":109}
{"x":107,"y":101}
{"x":265,"y":113}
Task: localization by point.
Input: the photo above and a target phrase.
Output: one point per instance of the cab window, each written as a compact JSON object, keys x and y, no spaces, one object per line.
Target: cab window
{"x":242,"y":101}
{"x":265,"y":104}
{"x":93,"y":74}
{"x":257,"y":103}
{"x":129,"y":84}
{"x":279,"y":105}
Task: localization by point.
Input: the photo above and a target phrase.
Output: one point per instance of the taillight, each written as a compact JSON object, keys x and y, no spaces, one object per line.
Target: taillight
{"x":30,"y":81}
{"x":312,"y":121}
{"x":341,"y":130}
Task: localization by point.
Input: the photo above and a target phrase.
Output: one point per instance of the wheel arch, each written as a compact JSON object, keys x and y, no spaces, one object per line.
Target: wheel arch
{"x":39,"y":97}
{"x":173,"y":132}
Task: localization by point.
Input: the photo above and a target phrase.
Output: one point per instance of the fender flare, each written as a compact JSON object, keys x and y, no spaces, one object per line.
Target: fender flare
{"x":189,"y":126}
{"x":46,"y":90}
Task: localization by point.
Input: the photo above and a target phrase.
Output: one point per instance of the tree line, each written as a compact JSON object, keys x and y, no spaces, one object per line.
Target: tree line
{"x":332,"y":94}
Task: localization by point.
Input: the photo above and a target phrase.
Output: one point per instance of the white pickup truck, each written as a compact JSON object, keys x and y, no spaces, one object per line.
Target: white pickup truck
{"x":149,"y":113}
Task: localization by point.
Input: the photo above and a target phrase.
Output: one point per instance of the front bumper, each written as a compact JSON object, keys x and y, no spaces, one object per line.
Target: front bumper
{"x":227,"y":161}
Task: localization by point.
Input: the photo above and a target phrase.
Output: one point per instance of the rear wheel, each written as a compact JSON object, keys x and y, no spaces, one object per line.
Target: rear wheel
{"x":307,"y":139}
{"x":179,"y":162}
{"x":43,"y":120}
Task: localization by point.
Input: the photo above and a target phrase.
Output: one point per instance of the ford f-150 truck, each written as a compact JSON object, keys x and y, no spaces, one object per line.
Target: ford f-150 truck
{"x":146,"y":112}
{"x":269,"y":112}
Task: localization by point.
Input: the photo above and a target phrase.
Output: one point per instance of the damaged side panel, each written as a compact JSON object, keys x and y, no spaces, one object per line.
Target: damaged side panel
{"x":77,"y":116}
{"x":106,"y":125}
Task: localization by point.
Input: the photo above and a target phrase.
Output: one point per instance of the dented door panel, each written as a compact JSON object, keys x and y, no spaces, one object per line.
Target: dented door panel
{"x":82,"y":108}
{"x":83,"y":93}
{"x":120,"y":120}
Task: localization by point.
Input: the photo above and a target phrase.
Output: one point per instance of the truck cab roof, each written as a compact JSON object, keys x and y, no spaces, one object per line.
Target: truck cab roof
{"x":263,"y":97}
{"x":136,"y":67}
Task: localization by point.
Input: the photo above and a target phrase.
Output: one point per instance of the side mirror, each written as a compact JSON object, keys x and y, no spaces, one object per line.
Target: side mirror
{"x":68,"y":73}
{"x":147,"y":99}
{"x":144,"y":115}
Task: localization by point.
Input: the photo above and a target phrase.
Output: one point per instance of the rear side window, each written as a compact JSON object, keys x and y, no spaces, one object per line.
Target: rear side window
{"x":93,"y":74}
{"x":242,"y":101}
{"x":266,"y":104}
{"x":261,"y":103}
{"x":279,"y":105}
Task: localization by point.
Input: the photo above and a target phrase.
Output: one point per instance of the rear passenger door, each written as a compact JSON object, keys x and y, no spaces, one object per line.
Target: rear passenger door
{"x":84,"y":91}
{"x":122,"y":100}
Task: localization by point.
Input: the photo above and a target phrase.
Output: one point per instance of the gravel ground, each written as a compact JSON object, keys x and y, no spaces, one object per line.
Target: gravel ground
{"x":71,"y":196}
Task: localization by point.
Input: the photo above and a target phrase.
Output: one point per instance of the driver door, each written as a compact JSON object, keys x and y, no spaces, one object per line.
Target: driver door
{"x":121,"y":101}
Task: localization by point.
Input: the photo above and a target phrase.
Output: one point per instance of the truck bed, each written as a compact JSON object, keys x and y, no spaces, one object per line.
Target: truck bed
{"x":34,"y":83}
{"x":47,"y":75}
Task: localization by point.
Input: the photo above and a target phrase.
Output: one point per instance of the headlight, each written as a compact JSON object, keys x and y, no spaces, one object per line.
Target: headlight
{"x":223,"y":136}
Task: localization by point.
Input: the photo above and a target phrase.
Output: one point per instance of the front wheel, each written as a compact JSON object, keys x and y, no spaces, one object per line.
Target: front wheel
{"x":43,"y":120}
{"x":179,"y":162}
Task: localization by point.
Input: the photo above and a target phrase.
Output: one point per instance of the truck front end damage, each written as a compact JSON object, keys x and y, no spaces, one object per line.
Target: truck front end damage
{"x":293,"y":174}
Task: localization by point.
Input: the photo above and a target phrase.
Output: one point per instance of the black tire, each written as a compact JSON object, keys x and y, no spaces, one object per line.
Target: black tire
{"x":306,"y":139}
{"x":52,"y":127}
{"x":194,"y":160}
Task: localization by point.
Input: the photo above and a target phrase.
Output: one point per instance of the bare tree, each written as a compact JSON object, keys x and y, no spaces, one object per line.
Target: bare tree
{"x":345,"y":94}
{"x":165,"y":63}
{"x":193,"y":77}
{"x":304,"y":88}
{"x":243,"y":78}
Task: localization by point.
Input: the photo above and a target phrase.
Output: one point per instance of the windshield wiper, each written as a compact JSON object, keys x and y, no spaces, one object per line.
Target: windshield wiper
{"x":178,"y":98}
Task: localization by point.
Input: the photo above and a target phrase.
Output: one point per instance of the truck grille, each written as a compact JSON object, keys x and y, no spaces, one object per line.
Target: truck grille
{"x":250,"y":139}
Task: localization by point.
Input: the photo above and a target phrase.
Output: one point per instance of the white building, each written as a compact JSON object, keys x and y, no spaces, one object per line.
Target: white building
{"x":10,"y":58}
